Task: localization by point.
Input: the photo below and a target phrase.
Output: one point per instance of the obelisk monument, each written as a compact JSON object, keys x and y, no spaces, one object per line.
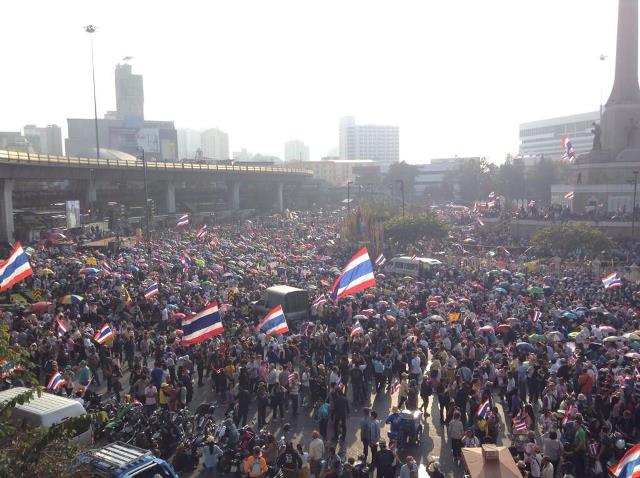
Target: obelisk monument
{"x":621,"y":117}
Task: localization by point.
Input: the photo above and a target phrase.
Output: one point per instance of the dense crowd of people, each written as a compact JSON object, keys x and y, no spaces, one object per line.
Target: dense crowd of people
{"x":482,"y":350}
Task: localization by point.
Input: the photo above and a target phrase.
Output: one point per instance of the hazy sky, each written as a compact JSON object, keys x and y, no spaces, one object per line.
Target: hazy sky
{"x":457,"y":76}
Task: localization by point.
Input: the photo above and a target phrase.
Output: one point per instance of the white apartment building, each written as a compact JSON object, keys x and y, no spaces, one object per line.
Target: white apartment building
{"x":188,"y":143}
{"x":544,"y":137}
{"x":215,"y":144}
{"x":377,"y":143}
{"x":296,"y":150}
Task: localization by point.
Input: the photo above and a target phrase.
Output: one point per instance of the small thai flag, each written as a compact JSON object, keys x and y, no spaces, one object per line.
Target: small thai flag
{"x":183,"y":221}
{"x":357,"y":329}
{"x":484,"y":409}
{"x":413,"y":257}
{"x":480,"y":221}
{"x":202,"y":231}
{"x":569,"y":195}
{"x":395,"y":387}
{"x":106,"y":267}
{"x":186,"y":262}
{"x":319,"y":301}
{"x":535,"y":315}
{"x":612,"y":280}
{"x":491,"y":203}
{"x":62,"y":327}
{"x":151,"y":291}
{"x":380,"y":260}
{"x":104,"y":334}
{"x":56,"y":381}
{"x":518,"y":423}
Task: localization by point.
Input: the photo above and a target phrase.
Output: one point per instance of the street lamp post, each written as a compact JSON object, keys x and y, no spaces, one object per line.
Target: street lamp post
{"x":401,"y":181}
{"x":91,"y":29}
{"x":633,"y":207}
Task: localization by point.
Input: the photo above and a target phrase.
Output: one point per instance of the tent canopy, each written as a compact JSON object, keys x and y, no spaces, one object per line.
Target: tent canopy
{"x":481,"y":466}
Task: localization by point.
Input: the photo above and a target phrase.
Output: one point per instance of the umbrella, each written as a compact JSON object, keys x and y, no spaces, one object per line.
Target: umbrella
{"x":390,"y":318}
{"x":486,"y":328}
{"x":226,"y":307}
{"x":504,"y":284}
{"x":179,"y":316}
{"x":573,"y":335}
{"x":435,"y":318}
{"x":525,"y":346}
{"x":39,"y":307}
{"x":407,"y":278}
{"x":555,"y":336}
{"x":468,"y":240}
{"x":503,"y":327}
{"x":500,"y":290}
{"x":88,"y":270}
{"x":513,"y":320}
{"x":437,"y":298}
{"x":632,"y":355}
{"x":380,"y":276}
{"x":360,"y":317}
{"x":607,"y":329}
{"x":569,"y":315}
{"x":535,"y":290}
{"x":538,"y":337}
{"x":631,"y":336}
{"x":227,"y":274}
{"x":46,"y":272}
{"x":71,"y":299}
{"x":612,"y":338}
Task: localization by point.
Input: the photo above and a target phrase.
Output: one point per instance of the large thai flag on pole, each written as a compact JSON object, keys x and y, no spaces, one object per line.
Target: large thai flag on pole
{"x":274,"y":323}
{"x":183,"y":221}
{"x":202,"y":326}
{"x":104,"y":334}
{"x":629,"y":466}
{"x":15,"y":269}
{"x":356,"y":276}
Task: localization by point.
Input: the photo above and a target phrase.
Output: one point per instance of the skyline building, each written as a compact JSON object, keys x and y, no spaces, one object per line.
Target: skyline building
{"x":378,"y":143}
{"x":296,"y":150}
{"x":129,"y":94}
{"x":214,"y":144}
{"x":189,"y":142}
{"x":45,"y":140}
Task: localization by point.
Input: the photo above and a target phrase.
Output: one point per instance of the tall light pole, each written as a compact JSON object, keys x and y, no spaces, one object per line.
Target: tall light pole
{"x":91,"y":29}
{"x":633,"y":208}
{"x":401,"y":181}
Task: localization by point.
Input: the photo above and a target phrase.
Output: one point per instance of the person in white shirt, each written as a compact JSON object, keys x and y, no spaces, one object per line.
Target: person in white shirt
{"x":316,"y":453}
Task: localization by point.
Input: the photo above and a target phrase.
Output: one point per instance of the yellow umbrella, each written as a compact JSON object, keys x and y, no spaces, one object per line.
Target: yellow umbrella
{"x":46,"y":272}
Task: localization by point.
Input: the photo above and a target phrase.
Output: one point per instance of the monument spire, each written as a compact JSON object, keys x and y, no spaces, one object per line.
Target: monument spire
{"x":625,"y":86}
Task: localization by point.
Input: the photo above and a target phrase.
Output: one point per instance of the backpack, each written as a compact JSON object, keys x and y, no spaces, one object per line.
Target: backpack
{"x":323,"y":411}
{"x":255,"y":467}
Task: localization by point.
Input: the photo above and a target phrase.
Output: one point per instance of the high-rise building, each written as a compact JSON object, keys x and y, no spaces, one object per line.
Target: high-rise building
{"x":189,"y":142}
{"x":47,"y":140}
{"x":214,"y":144}
{"x":378,"y":143}
{"x":129,"y":94}
{"x":544,"y":137}
{"x":296,"y":150}
{"x":242,"y":155}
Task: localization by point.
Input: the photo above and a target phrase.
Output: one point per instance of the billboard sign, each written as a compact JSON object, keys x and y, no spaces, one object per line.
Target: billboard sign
{"x":148,"y":139}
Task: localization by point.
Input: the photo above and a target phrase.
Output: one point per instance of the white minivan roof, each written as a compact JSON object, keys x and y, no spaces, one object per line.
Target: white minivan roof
{"x":46,"y":410}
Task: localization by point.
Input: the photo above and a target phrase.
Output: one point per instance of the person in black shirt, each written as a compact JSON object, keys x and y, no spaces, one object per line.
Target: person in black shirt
{"x":386,"y":458}
{"x":289,"y":461}
{"x":340,"y":412}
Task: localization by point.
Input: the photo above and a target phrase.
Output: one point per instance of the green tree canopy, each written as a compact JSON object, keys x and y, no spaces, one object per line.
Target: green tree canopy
{"x":413,"y":228}
{"x":565,"y":239}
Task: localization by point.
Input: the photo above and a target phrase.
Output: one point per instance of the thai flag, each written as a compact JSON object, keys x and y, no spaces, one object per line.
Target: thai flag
{"x":480,"y":221}
{"x":612,"y":280}
{"x":518,"y":423}
{"x":319,"y":301}
{"x":569,"y":195}
{"x":413,"y":257}
{"x":104,"y":334}
{"x":629,"y":465}
{"x":569,"y":152}
{"x":491,"y":203}
{"x":535,"y":315}
{"x":62,"y":327}
{"x":492,"y":194}
{"x":357,"y":329}
{"x":201,"y":232}
{"x":55,"y":382}
{"x":183,"y":221}
{"x":484,"y":409}
{"x":274,"y":323}
{"x":203,"y":325}
{"x":151,"y":291}
{"x":15,"y":269}
{"x":395,"y":387}
{"x":356,"y":276}
{"x":186,"y":262}
{"x":106,"y":267}
{"x":380,"y":260}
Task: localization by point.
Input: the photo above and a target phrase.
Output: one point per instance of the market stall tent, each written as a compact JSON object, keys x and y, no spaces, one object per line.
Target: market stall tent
{"x":490,"y":461}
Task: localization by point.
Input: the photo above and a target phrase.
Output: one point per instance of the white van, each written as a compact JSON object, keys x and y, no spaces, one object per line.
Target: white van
{"x":46,"y":411}
{"x":411,"y":266}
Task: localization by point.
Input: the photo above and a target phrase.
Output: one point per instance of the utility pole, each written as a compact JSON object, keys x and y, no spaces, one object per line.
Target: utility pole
{"x":633,"y":208}
{"x":91,"y":29}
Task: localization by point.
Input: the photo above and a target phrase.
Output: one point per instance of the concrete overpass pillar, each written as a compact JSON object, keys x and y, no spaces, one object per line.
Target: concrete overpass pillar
{"x":279,"y":202}
{"x":91,"y":195}
{"x":170,"y":198}
{"x":6,"y":210}
{"x":234,"y":195}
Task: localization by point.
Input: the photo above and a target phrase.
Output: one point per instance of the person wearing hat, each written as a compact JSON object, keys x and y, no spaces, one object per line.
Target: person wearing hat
{"x":409,"y":469}
{"x":211,"y":454}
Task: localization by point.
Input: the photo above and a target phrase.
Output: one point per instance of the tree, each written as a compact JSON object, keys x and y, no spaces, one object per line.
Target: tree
{"x":402,"y":172}
{"x":566,"y":239}
{"x":413,"y":228}
{"x":475,"y":179}
{"x":28,"y":451}
{"x":540,"y":179}
{"x":511,"y":180}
